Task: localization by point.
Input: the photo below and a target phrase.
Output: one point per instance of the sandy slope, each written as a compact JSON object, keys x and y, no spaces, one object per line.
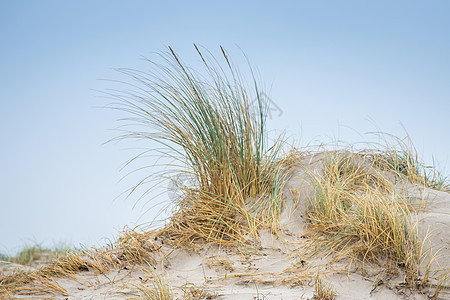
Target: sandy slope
{"x":275,"y":268}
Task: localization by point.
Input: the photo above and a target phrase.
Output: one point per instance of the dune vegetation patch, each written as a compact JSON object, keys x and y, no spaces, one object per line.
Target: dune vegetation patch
{"x":209,"y":124}
{"x":131,"y":249}
{"x":213,"y":127}
{"x":358,"y":213}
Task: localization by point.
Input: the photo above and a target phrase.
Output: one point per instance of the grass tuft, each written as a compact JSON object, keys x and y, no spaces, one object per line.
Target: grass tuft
{"x":357,"y":213}
{"x":322,"y":291}
{"x":214,"y":127}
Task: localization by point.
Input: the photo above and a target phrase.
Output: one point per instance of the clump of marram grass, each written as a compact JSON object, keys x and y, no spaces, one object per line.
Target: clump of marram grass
{"x":356,"y":213}
{"x":214,"y":126}
{"x":216,"y":129}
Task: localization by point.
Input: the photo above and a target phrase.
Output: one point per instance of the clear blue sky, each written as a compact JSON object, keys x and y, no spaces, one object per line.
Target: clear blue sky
{"x":333,"y":67}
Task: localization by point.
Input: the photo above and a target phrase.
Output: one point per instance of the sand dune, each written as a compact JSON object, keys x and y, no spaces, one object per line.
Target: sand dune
{"x":275,"y":266}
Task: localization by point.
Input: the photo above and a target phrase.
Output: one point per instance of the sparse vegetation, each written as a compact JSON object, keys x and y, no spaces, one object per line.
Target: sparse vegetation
{"x":159,"y":290}
{"x":43,"y":278}
{"x":192,"y":292}
{"x":322,"y":291}
{"x":401,"y":157}
{"x":442,"y":283}
{"x":36,"y":255}
{"x":132,"y":248}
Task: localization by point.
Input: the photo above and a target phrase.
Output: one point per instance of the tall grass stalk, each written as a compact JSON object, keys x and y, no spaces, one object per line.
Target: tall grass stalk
{"x":214,"y":126}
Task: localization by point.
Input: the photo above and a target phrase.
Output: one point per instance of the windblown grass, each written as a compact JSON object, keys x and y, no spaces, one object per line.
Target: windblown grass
{"x":401,"y":157}
{"x":42,"y":280}
{"x":214,"y":126}
{"x":357,"y":213}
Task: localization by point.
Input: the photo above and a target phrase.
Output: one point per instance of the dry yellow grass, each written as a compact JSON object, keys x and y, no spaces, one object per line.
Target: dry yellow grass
{"x":358,"y":213}
{"x":322,"y":291}
{"x":132,"y":248}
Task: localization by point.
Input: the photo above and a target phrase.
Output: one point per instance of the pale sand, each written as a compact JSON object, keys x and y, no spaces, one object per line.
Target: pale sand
{"x":274,"y":270}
